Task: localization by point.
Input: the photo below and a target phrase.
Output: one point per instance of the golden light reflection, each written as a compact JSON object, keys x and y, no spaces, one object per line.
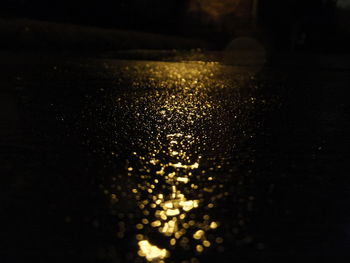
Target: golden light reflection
{"x":172,"y":181}
{"x":170,"y":210}
{"x":151,"y":252}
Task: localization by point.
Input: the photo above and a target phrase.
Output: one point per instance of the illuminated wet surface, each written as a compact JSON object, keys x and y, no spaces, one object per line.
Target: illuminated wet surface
{"x":179,"y":156}
{"x":141,"y":161}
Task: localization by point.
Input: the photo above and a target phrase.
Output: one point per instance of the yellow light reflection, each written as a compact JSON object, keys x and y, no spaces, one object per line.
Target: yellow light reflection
{"x":172,"y":180}
{"x":151,"y":252}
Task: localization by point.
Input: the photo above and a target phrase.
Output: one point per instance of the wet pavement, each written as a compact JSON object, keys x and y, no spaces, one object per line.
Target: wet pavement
{"x":149,"y":161}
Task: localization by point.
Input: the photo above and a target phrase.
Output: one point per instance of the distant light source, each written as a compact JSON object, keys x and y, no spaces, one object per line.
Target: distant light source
{"x":214,"y":8}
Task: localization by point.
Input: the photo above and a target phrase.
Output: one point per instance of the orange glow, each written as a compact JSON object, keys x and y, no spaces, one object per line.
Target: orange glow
{"x":215,"y":8}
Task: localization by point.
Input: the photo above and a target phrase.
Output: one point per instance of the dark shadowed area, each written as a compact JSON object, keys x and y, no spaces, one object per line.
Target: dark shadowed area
{"x":174,"y":131}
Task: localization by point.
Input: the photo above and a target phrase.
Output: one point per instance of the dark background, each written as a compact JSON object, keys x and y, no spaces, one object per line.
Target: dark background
{"x":313,"y":25}
{"x":154,"y":15}
{"x":59,"y":68}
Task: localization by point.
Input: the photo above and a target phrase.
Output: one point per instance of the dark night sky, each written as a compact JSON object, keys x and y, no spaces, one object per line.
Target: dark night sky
{"x":171,"y":17}
{"x":106,"y":13}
